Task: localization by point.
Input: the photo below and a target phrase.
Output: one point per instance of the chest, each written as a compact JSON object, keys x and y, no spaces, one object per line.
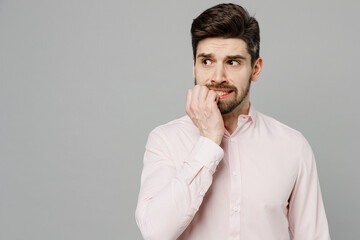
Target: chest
{"x":259,"y":171}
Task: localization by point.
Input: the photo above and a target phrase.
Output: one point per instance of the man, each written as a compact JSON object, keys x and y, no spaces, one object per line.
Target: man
{"x":225,"y":170}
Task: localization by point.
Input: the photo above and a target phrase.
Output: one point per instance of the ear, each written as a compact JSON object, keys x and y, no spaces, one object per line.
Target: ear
{"x":257,"y":69}
{"x":193,"y":67}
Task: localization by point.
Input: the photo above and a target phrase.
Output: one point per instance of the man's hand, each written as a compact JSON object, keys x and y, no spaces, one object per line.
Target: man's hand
{"x":201,"y":107}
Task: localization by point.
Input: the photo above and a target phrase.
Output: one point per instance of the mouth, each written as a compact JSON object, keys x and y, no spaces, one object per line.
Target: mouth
{"x":223,"y":93}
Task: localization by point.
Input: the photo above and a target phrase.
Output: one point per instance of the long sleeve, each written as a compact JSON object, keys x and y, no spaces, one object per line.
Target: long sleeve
{"x":307,"y":218}
{"x":169,"y":197}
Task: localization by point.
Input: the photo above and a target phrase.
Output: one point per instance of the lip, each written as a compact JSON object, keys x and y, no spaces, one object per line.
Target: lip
{"x":225,"y":95}
{"x":219,"y":89}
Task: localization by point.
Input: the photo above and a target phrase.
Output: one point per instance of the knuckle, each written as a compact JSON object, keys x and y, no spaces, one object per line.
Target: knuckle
{"x":204,"y":88}
{"x":191,"y":107}
{"x":213,"y":93}
{"x":207,"y":107}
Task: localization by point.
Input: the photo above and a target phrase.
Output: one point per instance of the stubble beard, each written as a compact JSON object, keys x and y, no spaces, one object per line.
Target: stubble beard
{"x":226,"y":106}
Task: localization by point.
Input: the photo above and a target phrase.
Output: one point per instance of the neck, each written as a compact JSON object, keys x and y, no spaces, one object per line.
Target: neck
{"x":231,"y":119}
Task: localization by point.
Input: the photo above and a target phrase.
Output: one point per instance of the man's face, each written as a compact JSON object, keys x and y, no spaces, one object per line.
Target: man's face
{"x":224,"y":65}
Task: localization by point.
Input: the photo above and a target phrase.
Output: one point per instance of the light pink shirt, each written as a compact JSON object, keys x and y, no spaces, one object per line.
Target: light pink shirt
{"x":260,"y":182}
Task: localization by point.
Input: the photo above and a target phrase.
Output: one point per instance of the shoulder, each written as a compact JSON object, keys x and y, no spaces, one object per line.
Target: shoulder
{"x":176,"y":127}
{"x":279,"y":129}
{"x":174,"y":137}
{"x":288,"y":139}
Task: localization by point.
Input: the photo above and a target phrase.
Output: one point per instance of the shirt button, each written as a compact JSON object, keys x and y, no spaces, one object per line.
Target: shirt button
{"x":232,"y":140}
{"x":235,"y":173}
{"x":202,"y":193}
{"x":236,"y":209}
{"x":217,"y":162}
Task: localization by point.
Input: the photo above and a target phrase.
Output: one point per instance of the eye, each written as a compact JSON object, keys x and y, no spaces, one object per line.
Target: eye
{"x":233,"y":62}
{"x":206,"y":62}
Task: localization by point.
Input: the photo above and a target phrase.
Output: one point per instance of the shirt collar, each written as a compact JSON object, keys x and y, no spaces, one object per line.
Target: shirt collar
{"x":252,"y":115}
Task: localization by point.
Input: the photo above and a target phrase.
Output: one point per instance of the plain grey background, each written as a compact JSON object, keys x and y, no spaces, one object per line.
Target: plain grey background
{"x":82,"y":83}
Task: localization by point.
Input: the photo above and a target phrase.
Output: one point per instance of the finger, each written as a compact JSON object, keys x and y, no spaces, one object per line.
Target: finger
{"x":188,"y":101}
{"x":195,"y":97}
{"x":212,"y":99}
{"x":203,"y":95}
{"x":212,"y":96}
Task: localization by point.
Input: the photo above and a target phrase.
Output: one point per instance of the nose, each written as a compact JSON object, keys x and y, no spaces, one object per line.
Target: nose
{"x":219,"y":75}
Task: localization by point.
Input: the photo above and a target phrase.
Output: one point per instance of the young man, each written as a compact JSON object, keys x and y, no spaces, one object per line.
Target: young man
{"x":225,"y":170}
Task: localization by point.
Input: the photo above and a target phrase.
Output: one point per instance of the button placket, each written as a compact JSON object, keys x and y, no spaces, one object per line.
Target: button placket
{"x":235,"y":173}
{"x":236,"y":208}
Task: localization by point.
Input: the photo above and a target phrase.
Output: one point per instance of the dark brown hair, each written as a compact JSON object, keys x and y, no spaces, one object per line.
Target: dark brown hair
{"x":227,"y":20}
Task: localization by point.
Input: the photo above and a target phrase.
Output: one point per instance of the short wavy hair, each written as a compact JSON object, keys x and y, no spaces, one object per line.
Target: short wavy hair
{"x":227,"y":20}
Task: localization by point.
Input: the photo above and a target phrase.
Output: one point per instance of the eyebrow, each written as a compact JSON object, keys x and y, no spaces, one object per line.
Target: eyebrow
{"x":236,"y":57}
{"x":204,"y":55}
{"x":231,"y":57}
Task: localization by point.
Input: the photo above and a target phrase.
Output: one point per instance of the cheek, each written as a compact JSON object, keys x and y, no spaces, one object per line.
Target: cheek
{"x":240,"y":77}
{"x":240,"y":82}
{"x":201,"y":75}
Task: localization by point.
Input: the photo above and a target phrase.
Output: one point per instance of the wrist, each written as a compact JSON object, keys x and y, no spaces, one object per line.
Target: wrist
{"x":216,"y":139}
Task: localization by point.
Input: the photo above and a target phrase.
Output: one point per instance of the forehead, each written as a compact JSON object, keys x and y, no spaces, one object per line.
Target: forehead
{"x":221,"y":47}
